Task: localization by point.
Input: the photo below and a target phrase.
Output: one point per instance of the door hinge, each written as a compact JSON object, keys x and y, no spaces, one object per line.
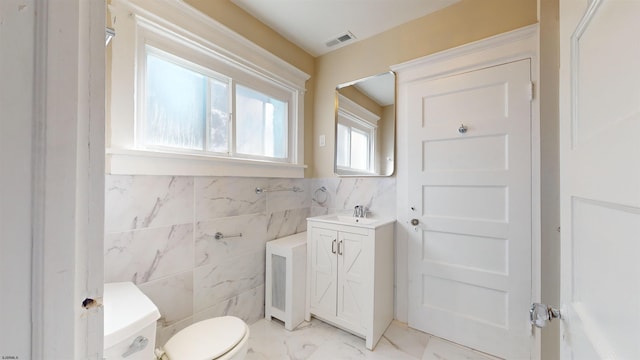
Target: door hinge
{"x":531,"y":91}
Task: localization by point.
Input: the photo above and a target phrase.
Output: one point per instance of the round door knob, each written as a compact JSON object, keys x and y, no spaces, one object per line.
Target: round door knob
{"x":540,"y":314}
{"x":415,"y":222}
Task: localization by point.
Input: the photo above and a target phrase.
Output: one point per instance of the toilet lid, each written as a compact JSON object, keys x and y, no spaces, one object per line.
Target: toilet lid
{"x":207,"y":339}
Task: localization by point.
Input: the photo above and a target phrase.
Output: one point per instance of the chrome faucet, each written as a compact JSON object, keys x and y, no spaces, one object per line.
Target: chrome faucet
{"x":360,"y":211}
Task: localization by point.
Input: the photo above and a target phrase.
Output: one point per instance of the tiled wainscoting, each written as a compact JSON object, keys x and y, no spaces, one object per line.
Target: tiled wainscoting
{"x":160,"y":235}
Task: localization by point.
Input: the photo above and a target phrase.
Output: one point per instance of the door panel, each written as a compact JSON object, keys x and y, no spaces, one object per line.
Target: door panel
{"x":470,"y":257}
{"x":323,"y":278}
{"x":482,"y":203}
{"x":351,"y":266}
{"x":471,"y":251}
{"x":604,"y":56}
{"x":600,"y":179}
{"x":437,"y":293}
{"x":438,"y":107}
{"x":620,"y":226}
{"x":486,"y":152}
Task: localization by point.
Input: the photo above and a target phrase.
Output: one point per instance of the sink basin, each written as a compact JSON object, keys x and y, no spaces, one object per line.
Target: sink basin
{"x":352,"y":221}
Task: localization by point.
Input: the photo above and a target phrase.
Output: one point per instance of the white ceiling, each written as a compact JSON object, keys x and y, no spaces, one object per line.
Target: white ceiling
{"x":379,"y":88}
{"x":310,"y":24}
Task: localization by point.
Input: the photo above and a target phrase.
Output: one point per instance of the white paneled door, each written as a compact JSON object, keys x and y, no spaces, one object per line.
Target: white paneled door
{"x":600,"y":179}
{"x":470,"y":194}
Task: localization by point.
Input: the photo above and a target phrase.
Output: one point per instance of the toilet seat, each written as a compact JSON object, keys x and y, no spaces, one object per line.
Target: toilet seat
{"x":207,"y":339}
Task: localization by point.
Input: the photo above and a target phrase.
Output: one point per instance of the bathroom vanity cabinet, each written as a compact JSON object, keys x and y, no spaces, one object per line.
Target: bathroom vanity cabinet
{"x":350,"y":275}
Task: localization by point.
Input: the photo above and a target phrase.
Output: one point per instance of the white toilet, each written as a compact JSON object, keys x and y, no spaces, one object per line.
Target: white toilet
{"x":130,"y":331}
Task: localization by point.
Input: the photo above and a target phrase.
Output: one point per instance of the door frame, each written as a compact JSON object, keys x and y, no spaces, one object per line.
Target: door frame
{"x":68,"y":180}
{"x":515,"y":45}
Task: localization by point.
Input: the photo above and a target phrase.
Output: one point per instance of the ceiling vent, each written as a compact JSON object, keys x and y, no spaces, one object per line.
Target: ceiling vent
{"x":348,"y":36}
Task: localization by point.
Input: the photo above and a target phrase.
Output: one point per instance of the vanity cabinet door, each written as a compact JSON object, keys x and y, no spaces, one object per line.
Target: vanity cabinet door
{"x":352,"y":277}
{"x":323,"y":268}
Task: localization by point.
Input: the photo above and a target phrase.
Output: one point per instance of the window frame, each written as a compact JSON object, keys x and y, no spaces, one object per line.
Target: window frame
{"x":176,"y":30}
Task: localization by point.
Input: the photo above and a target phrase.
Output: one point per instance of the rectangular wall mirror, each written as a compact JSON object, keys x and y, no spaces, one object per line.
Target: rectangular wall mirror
{"x":365,"y":126}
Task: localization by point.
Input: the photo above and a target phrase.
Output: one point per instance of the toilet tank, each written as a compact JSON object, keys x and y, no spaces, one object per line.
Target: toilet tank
{"x":129,"y":322}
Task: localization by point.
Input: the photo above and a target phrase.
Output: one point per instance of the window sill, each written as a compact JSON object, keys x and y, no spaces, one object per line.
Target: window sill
{"x":140,"y":162}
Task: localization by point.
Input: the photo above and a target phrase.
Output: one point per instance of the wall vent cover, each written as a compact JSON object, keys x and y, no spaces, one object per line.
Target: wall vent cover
{"x":348,"y":36}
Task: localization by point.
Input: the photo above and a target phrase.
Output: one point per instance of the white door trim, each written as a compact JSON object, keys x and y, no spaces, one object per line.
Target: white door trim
{"x":68,"y":166}
{"x":515,"y":45}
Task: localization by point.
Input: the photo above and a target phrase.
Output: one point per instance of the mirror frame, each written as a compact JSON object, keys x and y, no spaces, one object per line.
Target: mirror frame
{"x":345,"y":173}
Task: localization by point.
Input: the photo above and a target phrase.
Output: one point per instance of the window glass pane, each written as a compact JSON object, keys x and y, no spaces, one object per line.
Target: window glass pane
{"x":261,"y":124}
{"x":175,"y":105}
{"x":343,"y":146}
{"x":359,"y":150}
{"x":219,"y":126}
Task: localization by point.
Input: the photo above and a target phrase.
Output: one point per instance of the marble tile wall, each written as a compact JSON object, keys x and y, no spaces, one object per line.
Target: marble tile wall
{"x":378,"y":194}
{"x":160,"y":235}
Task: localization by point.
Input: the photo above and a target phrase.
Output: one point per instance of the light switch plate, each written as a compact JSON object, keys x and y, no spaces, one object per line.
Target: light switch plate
{"x":322,"y":140}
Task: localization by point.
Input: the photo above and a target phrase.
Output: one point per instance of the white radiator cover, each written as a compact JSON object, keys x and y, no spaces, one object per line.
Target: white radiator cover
{"x":285,"y":280}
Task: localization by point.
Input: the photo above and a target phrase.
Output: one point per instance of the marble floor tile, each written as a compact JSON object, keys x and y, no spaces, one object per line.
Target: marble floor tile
{"x":440,"y":349}
{"x":317,"y":340}
{"x":270,"y":340}
{"x":349,"y":347}
{"x":410,"y":341}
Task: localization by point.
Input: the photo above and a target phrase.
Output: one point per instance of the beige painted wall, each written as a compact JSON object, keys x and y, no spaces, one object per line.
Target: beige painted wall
{"x":238,"y":20}
{"x":464,"y":22}
{"x":361,"y":99}
{"x":386,"y":127}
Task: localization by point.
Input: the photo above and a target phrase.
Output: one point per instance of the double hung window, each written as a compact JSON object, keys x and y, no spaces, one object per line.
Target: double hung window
{"x":189,"y":108}
{"x":356,"y":143}
{"x":187,"y":96}
{"x":356,"y":130}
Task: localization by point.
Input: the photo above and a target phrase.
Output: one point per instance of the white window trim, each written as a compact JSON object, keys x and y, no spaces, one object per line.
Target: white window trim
{"x":191,"y":29}
{"x":356,"y":113}
{"x":356,"y":110}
